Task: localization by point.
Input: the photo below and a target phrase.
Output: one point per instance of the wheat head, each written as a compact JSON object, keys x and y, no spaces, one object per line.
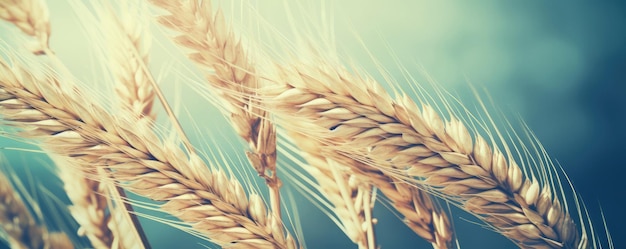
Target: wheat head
{"x":357,"y":118}
{"x":215,"y":47}
{"x":69,"y":125}
{"x":30,"y":16}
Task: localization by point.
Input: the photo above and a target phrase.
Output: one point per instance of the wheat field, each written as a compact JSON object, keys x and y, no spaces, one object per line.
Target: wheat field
{"x":278,"y":124}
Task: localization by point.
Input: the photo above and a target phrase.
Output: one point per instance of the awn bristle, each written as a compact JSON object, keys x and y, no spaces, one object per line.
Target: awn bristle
{"x":20,"y":227}
{"x":30,"y":16}
{"x":231,"y":74}
{"x":69,"y":125}
{"x":356,"y":118}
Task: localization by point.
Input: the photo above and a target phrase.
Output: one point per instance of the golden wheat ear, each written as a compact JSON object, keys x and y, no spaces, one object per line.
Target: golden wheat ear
{"x":31,"y":17}
{"x":66,"y":122}
{"x":356,"y":118}
{"x":18,"y":226}
{"x":231,"y":73}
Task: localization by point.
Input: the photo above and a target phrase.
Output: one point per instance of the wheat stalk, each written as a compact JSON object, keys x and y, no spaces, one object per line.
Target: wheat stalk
{"x":21,"y":229}
{"x":69,"y":125}
{"x":216,"y":48}
{"x":30,"y":16}
{"x":356,"y":118}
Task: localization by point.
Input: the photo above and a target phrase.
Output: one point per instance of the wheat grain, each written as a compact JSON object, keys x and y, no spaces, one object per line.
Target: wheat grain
{"x":419,"y":211}
{"x":99,"y":220}
{"x":67,"y":124}
{"x":359,"y":119}
{"x":98,"y":208}
{"x":30,"y":16}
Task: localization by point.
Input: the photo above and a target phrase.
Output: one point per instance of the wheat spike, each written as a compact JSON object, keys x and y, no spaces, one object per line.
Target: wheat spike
{"x":357,"y":118}
{"x":128,"y":43}
{"x":30,"y":16}
{"x":69,"y":125}
{"x":215,"y":47}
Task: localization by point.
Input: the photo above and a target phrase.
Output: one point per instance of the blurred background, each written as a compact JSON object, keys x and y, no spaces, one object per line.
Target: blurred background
{"x":558,"y":66}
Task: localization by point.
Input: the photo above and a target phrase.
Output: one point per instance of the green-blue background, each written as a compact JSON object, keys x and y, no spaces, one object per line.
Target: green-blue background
{"x":557,"y":64}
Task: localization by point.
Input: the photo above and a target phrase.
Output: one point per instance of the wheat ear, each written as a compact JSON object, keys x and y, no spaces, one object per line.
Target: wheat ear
{"x":30,"y":16}
{"x":21,"y":229}
{"x":70,"y":125}
{"x":128,"y":46}
{"x":351,"y":198}
{"x":216,"y":48}
{"x":358,"y":119}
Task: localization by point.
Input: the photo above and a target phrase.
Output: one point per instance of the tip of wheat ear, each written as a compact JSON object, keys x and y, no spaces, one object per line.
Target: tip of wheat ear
{"x":66,"y":123}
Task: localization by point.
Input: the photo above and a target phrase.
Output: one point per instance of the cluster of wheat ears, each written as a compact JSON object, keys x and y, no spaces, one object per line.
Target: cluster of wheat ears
{"x":340,"y":127}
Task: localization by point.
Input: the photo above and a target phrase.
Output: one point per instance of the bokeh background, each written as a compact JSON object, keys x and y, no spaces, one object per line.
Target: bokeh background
{"x":557,"y":65}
